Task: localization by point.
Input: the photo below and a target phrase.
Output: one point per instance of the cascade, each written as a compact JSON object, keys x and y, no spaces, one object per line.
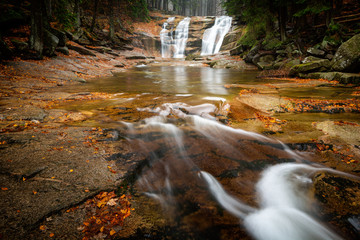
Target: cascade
{"x":214,"y":36}
{"x":181,"y":155}
{"x":174,"y":45}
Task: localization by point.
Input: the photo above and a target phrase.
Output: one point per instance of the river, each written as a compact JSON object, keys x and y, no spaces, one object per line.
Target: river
{"x":212,"y":181}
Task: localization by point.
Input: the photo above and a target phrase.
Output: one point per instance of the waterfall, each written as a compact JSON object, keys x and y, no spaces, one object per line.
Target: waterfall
{"x":166,"y":38}
{"x":174,"y":46}
{"x":183,"y":143}
{"x":214,"y":36}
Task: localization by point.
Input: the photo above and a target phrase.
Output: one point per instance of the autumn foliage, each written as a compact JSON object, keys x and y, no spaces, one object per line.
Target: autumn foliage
{"x":106,"y":215}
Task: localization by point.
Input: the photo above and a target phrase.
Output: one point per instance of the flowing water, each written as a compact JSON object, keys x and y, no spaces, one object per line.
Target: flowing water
{"x":173,"y":44}
{"x":212,"y":181}
{"x":214,"y":36}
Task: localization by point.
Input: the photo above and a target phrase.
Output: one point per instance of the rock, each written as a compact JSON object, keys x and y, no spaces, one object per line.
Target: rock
{"x":339,"y":200}
{"x":63,"y":50}
{"x":50,"y":43}
{"x":236,"y":50}
{"x":134,"y":57}
{"x":310,"y":59}
{"x":20,"y":45}
{"x":120,"y":65}
{"x":252,"y":53}
{"x":329,"y":56}
{"x":272,"y":44}
{"x":240,"y":65}
{"x":60,"y":35}
{"x":319,"y":66}
{"x":265,"y":65}
{"x":27,"y":112}
{"x":344,"y":78}
{"x":70,"y":36}
{"x":316,"y":52}
{"x":5,"y":52}
{"x":347,"y":57}
{"x":81,"y":50}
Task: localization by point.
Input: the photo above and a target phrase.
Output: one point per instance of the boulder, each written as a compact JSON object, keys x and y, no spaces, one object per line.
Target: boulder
{"x":318,"y":66}
{"x":252,"y":53}
{"x":236,"y":50}
{"x":316,"y":52}
{"x":60,"y":35}
{"x":50,"y":43}
{"x":347,"y":57}
{"x":63,"y":50}
{"x":20,"y":45}
{"x":344,"y":78}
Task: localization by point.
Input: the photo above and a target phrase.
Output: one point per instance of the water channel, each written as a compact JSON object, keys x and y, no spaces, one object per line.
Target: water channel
{"x":211,"y":181}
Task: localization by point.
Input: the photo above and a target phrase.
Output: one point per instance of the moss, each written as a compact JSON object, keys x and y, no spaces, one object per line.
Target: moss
{"x":272,"y":43}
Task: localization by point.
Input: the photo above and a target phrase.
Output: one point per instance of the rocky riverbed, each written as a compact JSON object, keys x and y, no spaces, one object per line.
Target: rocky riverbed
{"x":52,"y":164}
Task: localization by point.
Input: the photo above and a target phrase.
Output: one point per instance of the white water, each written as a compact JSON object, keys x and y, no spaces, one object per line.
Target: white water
{"x":214,"y":36}
{"x":284,"y":210}
{"x":166,"y":39}
{"x":173,"y":46}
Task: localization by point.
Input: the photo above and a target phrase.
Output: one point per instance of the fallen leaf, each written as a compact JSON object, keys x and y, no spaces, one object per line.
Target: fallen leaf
{"x":42,"y":227}
{"x":71,"y":170}
{"x":112,"y":232}
{"x":51,"y":235}
{"x":4,"y":188}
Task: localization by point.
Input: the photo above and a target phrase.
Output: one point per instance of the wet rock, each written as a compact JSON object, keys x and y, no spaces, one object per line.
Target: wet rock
{"x":339,"y":198}
{"x":347,"y":57}
{"x":240,"y":65}
{"x":60,"y":35}
{"x":319,"y":66}
{"x":347,"y":133}
{"x":27,"y":112}
{"x":252,"y":53}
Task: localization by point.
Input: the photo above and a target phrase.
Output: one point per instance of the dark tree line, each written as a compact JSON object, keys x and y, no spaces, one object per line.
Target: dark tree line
{"x":283,"y":12}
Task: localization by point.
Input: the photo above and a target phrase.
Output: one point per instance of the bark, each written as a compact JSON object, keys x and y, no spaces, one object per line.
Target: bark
{"x":95,"y":11}
{"x":111,"y":20}
{"x":77,"y":16}
{"x":282,"y":23}
{"x":37,"y":27}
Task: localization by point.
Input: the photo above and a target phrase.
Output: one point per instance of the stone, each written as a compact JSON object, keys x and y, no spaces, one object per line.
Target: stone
{"x":60,"y":35}
{"x":50,"y":43}
{"x":63,"y":50}
{"x":135,"y":57}
{"x":27,"y":112}
{"x":318,"y":66}
{"x":236,"y":50}
{"x":20,"y":45}
{"x":252,"y":53}
{"x":81,"y":50}
{"x":310,"y":59}
{"x":264,"y":65}
{"x":343,"y":78}
{"x":316,"y":52}
{"x":347,"y":57}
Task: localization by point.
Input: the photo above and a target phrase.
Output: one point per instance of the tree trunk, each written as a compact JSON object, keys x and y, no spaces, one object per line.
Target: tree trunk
{"x":282,"y":22}
{"x":96,"y":4}
{"x":111,"y":20}
{"x":77,"y":16}
{"x":37,"y":27}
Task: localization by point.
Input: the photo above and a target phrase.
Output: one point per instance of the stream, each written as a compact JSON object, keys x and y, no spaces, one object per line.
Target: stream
{"x":211,"y":181}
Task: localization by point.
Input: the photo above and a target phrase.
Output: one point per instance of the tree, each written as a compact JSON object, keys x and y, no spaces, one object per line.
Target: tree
{"x":111,"y":20}
{"x":36,"y":39}
{"x":95,"y":11}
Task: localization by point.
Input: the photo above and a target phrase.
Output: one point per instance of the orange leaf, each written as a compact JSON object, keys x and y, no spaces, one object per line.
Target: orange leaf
{"x":42,"y":227}
{"x":4,"y":188}
{"x":51,"y":235}
{"x":112,"y":232}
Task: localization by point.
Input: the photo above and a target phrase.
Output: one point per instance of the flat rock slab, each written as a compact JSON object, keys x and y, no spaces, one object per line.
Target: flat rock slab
{"x":27,"y":112}
{"x":43,"y":171}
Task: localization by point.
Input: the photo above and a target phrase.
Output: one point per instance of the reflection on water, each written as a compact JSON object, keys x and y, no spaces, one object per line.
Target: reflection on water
{"x":172,"y":80}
